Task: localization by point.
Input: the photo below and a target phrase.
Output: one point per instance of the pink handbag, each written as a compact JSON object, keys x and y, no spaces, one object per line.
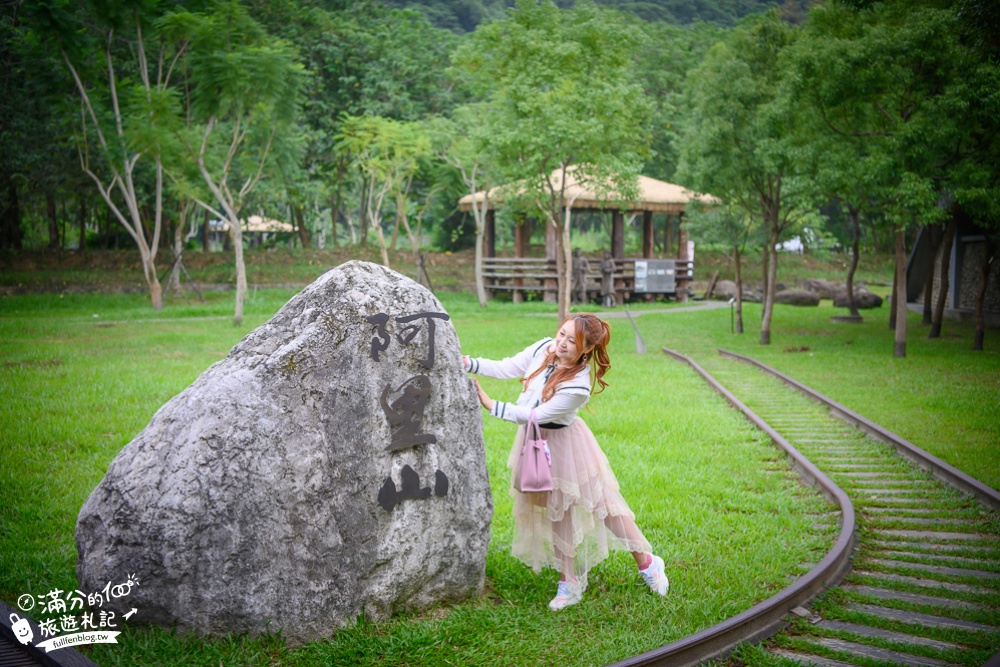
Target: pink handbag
{"x":534,"y":473}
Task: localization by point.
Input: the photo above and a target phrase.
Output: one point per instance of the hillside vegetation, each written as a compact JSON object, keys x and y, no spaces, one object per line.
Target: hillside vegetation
{"x":465,"y":15}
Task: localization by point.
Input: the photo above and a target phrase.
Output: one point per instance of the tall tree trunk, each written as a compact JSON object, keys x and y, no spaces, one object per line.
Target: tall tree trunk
{"x":479,"y":215}
{"x":304,"y":236}
{"x":561,"y":298}
{"x":739,"y":289}
{"x":855,"y":214}
{"x":765,"y":261}
{"x":366,"y":195}
{"x":551,"y":254}
{"x":174,"y":284}
{"x":984,"y":277}
{"x":236,"y":233}
{"x":401,"y":217}
{"x":892,"y":310}
{"x":772,"y":280}
{"x":899,"y":304}
{"x":945,"y":279}
{"x":148,"y":257}
{"x":333,"y":219}
{"x":53,"y":218}
{"x":934,"y":239}
{"x":395,"y":229}
{"x":566,"y":270}
{"x":374,"y":218}
{"x":337,"y":203}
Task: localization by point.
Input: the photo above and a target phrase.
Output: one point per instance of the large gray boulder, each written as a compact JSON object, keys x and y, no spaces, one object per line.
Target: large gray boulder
{"x":863,"y":299}
{"x":825,"y":288}
{"x":724,"y":290}
{"x":797,"y":297}
{"x":332,"y":465}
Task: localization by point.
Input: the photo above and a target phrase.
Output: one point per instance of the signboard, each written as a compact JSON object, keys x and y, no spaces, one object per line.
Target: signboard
{"x":654,"y":276}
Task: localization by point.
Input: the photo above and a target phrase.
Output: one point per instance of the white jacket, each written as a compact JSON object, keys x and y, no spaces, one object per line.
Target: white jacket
{"x":560,"y":410}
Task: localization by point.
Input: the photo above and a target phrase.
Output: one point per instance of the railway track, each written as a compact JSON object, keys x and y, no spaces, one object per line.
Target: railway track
{"x":924,"y":539}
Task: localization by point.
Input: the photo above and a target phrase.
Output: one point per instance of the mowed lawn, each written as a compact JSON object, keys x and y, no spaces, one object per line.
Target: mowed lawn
{"x":81,"y":375}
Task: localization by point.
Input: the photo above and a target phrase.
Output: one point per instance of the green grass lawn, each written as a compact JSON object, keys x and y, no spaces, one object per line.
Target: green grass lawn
{"x":81,"y":375}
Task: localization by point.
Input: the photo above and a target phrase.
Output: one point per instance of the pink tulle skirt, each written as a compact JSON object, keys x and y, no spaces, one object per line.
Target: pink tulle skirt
{"x":573,"y":527}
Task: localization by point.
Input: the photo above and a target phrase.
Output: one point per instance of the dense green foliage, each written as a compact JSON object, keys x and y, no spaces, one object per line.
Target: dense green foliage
{"x":466,"y":15}
{"x":862,"y":120}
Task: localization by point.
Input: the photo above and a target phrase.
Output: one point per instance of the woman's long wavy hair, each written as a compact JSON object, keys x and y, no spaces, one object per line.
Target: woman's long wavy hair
{"x":592,"y":335}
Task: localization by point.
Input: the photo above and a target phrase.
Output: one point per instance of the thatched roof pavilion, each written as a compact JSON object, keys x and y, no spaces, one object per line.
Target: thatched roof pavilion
{"x":654,"y":197}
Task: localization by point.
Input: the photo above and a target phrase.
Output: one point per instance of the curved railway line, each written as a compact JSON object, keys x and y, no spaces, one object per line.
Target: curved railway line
{"x":914,"y":575}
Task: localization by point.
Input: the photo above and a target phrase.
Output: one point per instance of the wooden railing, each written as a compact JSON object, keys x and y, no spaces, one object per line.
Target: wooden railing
{"x":521,"y":275}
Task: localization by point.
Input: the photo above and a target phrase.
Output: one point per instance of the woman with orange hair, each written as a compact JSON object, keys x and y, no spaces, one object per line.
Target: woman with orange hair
{"x":572,"y":527}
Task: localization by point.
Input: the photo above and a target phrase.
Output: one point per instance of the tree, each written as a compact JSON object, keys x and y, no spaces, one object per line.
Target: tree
{"x":387,"y":153}
{"x":122,"y":92}
{"x":739,"y":138}
{"x":730,"y":226}
{"x":38,"y":158}
{"x":363,"y":59}
{"x":562,"y":100}
{"x":849,"y":167}
{"x":460,"y":143}
{"x":894,"y":76}
{"x":242,"y":92}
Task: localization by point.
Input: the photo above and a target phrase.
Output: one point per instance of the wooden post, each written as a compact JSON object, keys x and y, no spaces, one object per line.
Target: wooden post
{"x":521,"y":236}
{"x":668,"y":228}
{"x":490,"y":235}
{"x":551,"y":248}
{"x":647,"y":234}
{"x":617,"y":234}
{"x":618,"y":251}
{"x":520,"y":250}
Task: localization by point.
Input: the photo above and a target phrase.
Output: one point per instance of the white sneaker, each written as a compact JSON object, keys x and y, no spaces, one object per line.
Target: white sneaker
{"x":568,"y":593}
{"x":655,"y":577}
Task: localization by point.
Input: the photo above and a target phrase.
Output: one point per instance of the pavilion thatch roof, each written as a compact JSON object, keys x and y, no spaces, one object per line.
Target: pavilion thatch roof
{"x":656,"y":196}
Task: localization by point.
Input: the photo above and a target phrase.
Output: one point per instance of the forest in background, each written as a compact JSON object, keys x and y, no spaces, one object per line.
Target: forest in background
{"x":148,"y":124}
{"x":466,"y":15}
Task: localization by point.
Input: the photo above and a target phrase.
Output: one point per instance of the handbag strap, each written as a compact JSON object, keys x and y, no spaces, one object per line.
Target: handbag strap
{"x":533,"y":429}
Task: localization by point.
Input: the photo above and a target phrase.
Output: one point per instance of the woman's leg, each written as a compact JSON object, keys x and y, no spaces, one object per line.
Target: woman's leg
{"x":562,"y":533}
{"x":570,"y":590}
{"x":650,"y":567}
{"x":626,"y":530}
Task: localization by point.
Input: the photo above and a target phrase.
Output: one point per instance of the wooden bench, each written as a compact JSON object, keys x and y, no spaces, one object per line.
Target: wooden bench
{"x":520,"y":275}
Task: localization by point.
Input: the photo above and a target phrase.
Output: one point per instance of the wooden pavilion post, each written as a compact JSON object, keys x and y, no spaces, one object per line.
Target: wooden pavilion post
{"x":668,"y":230}
{"x":490,"y":235}
{"x":521,"y":236}
{"x":617,"y":234}
{"x":647,"y":235}
{"x":618,"y":251}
